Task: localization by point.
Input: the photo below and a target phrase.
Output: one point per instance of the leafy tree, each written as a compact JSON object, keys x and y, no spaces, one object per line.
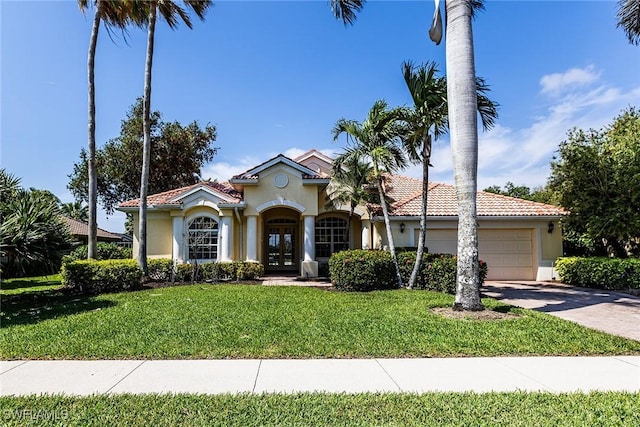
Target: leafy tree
{"x":538,"y":194}
{"x":33,"y":236}
{"x":376,"y":140}
{"x":170,"y":11}
{"x":115,"y":14}
{"x":76,"y":210}
{"x":629,"y":19}
{"x":597,"y":176}
{"x":178,"y":154}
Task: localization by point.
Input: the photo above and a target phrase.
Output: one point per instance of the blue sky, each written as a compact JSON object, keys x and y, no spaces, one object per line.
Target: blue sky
{"x":274,"y":76}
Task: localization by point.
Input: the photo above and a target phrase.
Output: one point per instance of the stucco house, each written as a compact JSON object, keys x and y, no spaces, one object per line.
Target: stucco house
{"x":276,"y":214}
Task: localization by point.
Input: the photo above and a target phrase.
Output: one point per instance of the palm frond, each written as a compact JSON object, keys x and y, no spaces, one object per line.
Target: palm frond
{"x":629,"y":19}
{"x":346,"y":10}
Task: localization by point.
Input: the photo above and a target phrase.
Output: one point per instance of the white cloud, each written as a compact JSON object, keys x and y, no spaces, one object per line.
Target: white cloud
{"x":557,"y":83}
{"x":523,"y":156}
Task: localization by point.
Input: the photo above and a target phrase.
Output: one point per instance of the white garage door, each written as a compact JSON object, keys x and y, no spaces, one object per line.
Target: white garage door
{"x":508,"y":252}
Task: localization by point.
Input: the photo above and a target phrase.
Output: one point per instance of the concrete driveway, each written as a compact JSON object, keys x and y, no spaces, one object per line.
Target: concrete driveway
{"x":608,"y":311}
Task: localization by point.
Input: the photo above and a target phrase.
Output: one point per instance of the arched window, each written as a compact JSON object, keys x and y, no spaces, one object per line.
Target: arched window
{"x":203,"y":238}
{"x":331,"y":236}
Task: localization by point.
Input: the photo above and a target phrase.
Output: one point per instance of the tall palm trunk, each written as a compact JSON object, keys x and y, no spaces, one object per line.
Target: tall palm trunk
{"x":146,"y":148}
{"x":462,"y":104}
{"x":92,"y":241}
{"x":387,"y":224}
{"x":426,"y":156}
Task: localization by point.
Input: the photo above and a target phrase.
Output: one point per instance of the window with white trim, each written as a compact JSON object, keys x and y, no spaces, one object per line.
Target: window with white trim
{"x":331,"y":236}
{"x":202,"y":235}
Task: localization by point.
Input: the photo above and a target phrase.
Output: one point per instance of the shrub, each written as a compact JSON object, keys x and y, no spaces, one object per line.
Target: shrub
{"x":160,"y":269}
{"x":600,"y":272}
{"x":249,"y":271}
{"x":104,"y":251}
{"x":214,"y":271}
{"x":94,"y":277}
{"x":437,"y":271}
{"x":362,"y":270}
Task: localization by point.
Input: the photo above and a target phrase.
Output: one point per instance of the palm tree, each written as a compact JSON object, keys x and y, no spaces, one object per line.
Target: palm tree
{"x":171,"y":12}
{"x":348,"y":186}
{"x":115,"y":14}
{"x":429,"y":115}
{"x":376,"y":139}
{"x":629,"y":19}
{"x":75,"y":210}
{"x":463,"y":127}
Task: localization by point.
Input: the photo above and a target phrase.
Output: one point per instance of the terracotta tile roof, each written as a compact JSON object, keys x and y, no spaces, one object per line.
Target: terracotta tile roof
{"x":405,"y":196}
{"x":172,"y":197}
{"x":253,"y":176}
{"x":81,"y":229}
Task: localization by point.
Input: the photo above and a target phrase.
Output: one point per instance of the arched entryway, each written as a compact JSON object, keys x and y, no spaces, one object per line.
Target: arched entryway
{"x":282,"y":240}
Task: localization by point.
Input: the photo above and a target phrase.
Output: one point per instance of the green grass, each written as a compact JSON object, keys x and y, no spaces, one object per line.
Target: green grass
{"x":239,"y":321}
{"x":309,"y":409}
{"x":30,"y":285}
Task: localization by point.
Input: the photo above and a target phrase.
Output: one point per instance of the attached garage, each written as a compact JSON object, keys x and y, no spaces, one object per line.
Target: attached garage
{"x":509,"y":253}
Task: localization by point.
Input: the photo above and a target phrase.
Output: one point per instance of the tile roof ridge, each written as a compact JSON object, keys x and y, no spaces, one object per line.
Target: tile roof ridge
{"x":526,"y":201}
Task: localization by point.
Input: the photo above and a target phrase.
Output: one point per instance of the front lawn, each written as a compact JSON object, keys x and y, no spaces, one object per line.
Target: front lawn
{"x":30,"y":284}
{"x":316,"y":409}
{"x":241,"y":321}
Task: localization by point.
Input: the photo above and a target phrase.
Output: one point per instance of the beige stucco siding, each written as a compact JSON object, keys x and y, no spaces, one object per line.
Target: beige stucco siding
{"x":159,"y":234}
{"x":294,"y":194}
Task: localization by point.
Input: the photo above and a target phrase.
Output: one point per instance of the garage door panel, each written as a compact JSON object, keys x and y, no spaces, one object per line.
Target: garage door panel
{"x":507,"y":252}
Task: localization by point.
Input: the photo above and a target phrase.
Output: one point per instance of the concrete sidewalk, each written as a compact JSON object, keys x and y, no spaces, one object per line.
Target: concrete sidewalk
{"x":552,"y":374}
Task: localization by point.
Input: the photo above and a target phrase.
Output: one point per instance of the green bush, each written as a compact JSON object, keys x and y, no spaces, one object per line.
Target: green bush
{"x":362,"y":270}
{"x":600,"y":272}
{"x":215,"y":271}
{"x":103,"y":251}
{"x":160,"y":269}
{"x":95,"y":277}
{"x":249,"y":271}
{"x":437,"y":271}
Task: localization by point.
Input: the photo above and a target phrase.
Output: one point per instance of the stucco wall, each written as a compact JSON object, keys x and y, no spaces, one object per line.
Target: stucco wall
{"x":159,"y":234}
{"x":294,"y":193}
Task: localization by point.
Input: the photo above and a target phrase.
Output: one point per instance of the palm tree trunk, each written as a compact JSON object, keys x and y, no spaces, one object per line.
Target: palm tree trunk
{"x":92,"y":239}
{"x":387,"y":224}
{"x":462,"y":104}
{"x":426,"y":159}
{"x":146,"y":148}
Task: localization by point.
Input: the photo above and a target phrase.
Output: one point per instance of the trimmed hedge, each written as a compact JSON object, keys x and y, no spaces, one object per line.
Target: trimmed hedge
{"x":362,"y":270}
{"x":366,"y":270}
{"x":95,"y":277}
{"x":214,"y":271}
{"x":437,"y":271}
{"x":160,"y":269}
{"x":103,"y":251}
{"x":600,"y":272}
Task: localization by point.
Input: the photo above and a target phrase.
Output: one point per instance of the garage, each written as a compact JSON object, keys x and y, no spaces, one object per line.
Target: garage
{"x":508,"y":252}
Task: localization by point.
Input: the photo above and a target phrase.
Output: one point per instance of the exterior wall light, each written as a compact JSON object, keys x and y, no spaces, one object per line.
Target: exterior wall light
{"x":402,"y":227}
{"x":550,"y":228}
